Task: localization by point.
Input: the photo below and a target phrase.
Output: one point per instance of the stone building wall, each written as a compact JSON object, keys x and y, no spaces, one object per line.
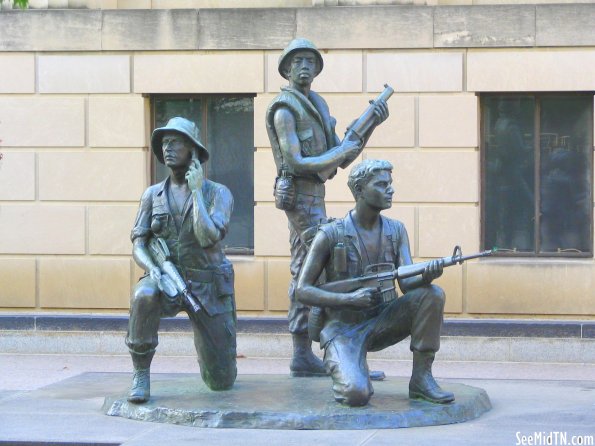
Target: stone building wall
{"x":74,"y":128}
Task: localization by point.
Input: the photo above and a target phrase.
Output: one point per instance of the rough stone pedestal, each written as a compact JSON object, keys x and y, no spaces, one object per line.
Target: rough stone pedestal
{"x":282,"y":402}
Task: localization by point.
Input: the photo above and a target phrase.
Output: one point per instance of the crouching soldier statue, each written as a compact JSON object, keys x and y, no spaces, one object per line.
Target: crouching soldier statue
{"x":176,"y":240}
{"x":357,"y":319}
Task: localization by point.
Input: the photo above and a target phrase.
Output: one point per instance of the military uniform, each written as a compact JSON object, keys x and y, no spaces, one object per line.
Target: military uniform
{"x":316,"y":133}
{"x":347,"y":335}
{"x":207,"y":272}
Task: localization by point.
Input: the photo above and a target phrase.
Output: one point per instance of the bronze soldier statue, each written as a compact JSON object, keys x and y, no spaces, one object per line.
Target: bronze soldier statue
{"x":307,"y":152}
{"x":176,"y":240}
{"x":358,"y":320}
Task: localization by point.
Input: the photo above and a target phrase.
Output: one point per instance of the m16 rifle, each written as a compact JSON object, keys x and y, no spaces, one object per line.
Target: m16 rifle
{"x":171,"y":282}
{"x":382,"y":278}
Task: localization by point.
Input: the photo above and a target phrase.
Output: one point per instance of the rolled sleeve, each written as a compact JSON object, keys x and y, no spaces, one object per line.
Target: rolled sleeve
{"x":142,"y":224}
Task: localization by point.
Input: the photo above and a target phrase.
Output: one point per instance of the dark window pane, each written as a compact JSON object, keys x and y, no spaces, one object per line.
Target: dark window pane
{"x":230,"y":128}
{"x":509,"y":131}
{"x":565,"y":174}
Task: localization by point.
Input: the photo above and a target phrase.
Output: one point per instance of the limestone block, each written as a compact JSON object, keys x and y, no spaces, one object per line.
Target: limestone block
{"x":451,"y":282}
{"x":85,"y":176}
{"x":149,"y":29}
{"x":342,"y":73}
{"x":84,"y":74}
{"x":249,"y":29}
{"x":448,"y":121}
{"x":261,"y":103}
{"x":42,"y":229}
{"x":415,"y":71}
{"x":199,"y":72}
{"x":440,"y":177}
{"x":109,"y":229}
{"x":397,"y":131}
{"x":84,"y":283}
{"x":50,"y":30}
{"x":441,"y":228}
{"x":565,"y":25}
{"x":278,"y":278}
{"x":531,"y":70}
{"x":18,"y":73}
{"x":118,"y":121}
{"x":337,"y":189}
{"x":367,"y":27}
{"x":18,"y":283}
{"x":17,"y":176}
{"x":42,"y":122}
{"x":249,"y":282}
{"x":133,"y":4}
{"x":514,"y":286}
{"x":494,"y":25}
{"x":271,"y":234}
{"x":265,"y":172}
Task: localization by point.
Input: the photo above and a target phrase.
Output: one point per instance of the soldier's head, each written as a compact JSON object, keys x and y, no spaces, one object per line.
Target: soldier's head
{"x":371,"y":181}
{"x":300,"y":62}
{"x":174,"y":144}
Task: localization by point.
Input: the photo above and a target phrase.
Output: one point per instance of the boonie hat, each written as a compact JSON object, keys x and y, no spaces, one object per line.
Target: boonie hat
{"x":183,"y":126}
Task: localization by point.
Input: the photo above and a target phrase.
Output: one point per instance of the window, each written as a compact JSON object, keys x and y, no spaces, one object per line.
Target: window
{"x":537,"y":161}
{"x":226,"y":126}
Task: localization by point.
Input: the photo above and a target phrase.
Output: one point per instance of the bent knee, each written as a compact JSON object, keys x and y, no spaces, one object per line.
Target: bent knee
{"x":435,"y":293}
{"x":145,"y":295}
{"x":220,"y":379}
{"x":355,"y":395}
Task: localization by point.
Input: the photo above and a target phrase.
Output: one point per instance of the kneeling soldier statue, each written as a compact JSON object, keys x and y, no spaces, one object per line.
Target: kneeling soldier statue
{"x":176,"y":240}
{"x":358,"y":317}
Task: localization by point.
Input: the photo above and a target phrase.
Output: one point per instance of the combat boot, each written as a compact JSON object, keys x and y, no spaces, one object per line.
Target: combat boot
{"x":422,"y":384}
{"x":304,"y":362}
{"x":140,"y":391}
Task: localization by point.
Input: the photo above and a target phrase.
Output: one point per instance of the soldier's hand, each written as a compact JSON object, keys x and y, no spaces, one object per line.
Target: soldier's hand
{"x":433,"y":271}
{"x":362,"y":298}
{"x":351,"y":149}
{"x":381,"y":111}
{"x":195,"y":175}
{"x":155,"y":274}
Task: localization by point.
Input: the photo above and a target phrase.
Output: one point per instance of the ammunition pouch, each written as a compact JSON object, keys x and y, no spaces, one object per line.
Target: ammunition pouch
{"x":284,"y":192}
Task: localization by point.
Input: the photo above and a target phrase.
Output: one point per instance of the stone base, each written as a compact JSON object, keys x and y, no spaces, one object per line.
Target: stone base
{"x":282,"y":402}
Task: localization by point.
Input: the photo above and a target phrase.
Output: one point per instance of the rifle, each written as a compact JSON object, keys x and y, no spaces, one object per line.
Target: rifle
{"x":171,"y":283}
{"x":383,"y":273}
{"x":363,"y":124}
{"x":360,"y":127}
{"x":382,"y":277}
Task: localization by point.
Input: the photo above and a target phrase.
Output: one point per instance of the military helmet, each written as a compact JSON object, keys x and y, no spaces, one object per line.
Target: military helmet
{"x":299,"y":44}
{"x":186,"y":128}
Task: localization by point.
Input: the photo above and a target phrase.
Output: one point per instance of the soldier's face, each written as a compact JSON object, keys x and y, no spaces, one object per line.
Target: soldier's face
{"x":378,"y":191}
{"x":302,"y":68}
{"x":177,"y":152}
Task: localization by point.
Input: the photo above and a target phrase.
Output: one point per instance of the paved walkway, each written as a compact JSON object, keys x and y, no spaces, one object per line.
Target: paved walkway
{"x":532,"y":404}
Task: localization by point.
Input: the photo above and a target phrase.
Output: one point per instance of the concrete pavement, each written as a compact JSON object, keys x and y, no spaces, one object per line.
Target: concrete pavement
{"x":533,"y":403}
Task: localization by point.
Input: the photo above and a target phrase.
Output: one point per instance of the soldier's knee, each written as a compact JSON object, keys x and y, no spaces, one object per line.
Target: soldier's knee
{"x":221,"y":378}
{"x":436,"y":295}
{"x":144,"y":297}
{"x":355,"y":395}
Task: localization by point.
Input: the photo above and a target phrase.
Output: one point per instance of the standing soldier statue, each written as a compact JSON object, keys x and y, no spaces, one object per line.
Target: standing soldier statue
{"x":307,"y":152}
{"x":176,"y":240}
